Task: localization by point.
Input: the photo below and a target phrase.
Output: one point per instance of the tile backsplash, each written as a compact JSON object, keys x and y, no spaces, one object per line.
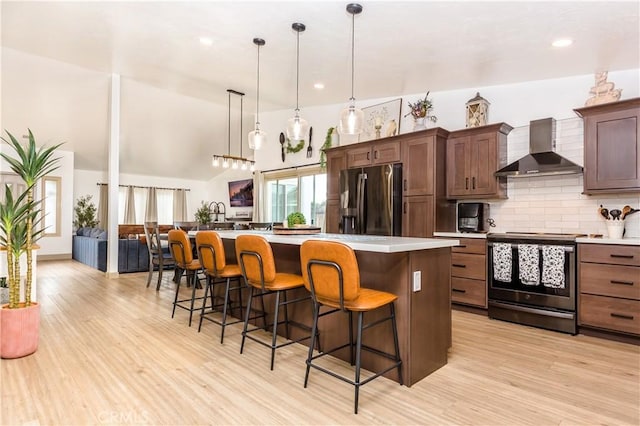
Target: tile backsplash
{"x":556,"y":203}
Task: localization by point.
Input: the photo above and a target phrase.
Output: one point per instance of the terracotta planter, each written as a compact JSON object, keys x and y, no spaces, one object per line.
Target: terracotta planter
{"x":19,"y":331}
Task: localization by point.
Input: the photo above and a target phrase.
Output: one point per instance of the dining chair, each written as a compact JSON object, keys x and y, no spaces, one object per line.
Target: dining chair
{"x":220,"y":226}
{"x":331,"y":273}
{"x":180,"y":247}
{"x":159,"y":256}
{"x":186,"y":226}
{"x":258,"y":266}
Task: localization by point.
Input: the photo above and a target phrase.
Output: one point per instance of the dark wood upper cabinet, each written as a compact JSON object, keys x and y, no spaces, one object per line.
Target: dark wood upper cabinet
{"x":336,"y":161}
{"x":374,"y":153}
{"x":611,"y":150}
{"x":473,"y":156}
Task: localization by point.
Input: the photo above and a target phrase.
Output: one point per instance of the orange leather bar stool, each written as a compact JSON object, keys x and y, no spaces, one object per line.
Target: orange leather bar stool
{"x":331,"y":274}
{"x":212,"y":258}
{"x":258,"y":266}
{"x":180,"y":248}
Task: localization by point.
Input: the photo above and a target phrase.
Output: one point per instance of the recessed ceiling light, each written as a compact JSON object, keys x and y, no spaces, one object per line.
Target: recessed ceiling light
{"x":562,"y":42}
{"x":206,"y":41}
{"x":319,"y":86}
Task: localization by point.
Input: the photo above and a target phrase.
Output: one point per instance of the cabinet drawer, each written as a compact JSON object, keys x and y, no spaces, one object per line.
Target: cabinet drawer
{"x":465,"y":265}
{"x":610,"y":280}
{"x":469,"y":292}
{"x":386,"y":153}
{"x":471,"y":245}
{"x":610,"y":313}
{"x":609,"y":253}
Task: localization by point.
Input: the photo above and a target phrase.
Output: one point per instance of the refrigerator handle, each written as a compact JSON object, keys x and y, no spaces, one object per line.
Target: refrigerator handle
{"x":359,"y":201}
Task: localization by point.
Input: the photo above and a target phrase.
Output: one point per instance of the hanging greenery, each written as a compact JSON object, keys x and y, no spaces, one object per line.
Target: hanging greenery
{"x":326,"y":145}
{"x":296,"y":148}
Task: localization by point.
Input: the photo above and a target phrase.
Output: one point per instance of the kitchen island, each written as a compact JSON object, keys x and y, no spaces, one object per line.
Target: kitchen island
{"x":417,"y":270}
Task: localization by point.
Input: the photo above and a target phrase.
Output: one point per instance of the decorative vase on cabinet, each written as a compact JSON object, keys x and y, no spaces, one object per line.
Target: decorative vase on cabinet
{"x":419,"y":123}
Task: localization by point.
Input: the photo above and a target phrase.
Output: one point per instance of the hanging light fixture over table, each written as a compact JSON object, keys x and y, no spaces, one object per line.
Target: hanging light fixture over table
{"x":352,"y":118}
{"x":229,"y":160}
{"x":257,"y":137}
{"x":297,"y":127}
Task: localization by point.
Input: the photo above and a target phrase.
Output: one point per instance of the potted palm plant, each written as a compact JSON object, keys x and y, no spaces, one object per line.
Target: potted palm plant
{"x":19,"y":216}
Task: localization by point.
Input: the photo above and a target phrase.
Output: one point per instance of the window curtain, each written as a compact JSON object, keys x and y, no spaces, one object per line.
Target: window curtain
{"x":179,"y":205}
{"x":151,"y":211}
{"x":258,"y":205}
{"x":130,"y":206}
{"x":103,"y":207}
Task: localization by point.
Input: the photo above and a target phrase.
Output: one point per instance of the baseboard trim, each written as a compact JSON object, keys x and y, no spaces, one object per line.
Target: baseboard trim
{"x":47,"y":257}
{"x":111,"y":275}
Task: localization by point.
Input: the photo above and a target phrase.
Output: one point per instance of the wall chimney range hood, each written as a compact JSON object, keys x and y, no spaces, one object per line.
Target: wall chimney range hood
{"x":542,"y":159}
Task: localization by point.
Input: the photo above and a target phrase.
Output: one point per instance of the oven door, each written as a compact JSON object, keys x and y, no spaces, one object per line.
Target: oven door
{"x":515,"y":291}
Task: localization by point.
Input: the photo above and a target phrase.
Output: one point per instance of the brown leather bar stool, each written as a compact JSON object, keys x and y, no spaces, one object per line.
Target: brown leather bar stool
{"x":180,"y":248}
{"x":258,"y":266}
{"x":212,"y":258}
{"x":331,"y":274}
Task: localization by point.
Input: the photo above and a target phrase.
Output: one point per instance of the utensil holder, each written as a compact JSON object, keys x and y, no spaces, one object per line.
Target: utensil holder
{"x":615,"y":229}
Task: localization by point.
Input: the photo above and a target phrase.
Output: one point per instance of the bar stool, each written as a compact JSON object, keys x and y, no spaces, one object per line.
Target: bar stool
{"x":258,"y":266}
{"x":217,"y":270}
{"x":180,"y":248}
{"x":331,"y":274}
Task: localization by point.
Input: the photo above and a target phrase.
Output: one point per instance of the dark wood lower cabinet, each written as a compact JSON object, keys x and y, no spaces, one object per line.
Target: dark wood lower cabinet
{"x":418,"y":216}
{"x":609,"y":284}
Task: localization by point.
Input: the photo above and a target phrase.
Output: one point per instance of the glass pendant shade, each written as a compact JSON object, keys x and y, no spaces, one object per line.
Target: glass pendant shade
{"x":351,"y":120}
{"x":297,"y":128}
{"x":257,"y":138}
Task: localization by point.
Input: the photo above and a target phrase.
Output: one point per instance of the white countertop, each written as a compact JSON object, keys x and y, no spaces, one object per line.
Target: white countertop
{"x":617,"y":241}
{"x":481,"y":235}
{"x":373,"y":243}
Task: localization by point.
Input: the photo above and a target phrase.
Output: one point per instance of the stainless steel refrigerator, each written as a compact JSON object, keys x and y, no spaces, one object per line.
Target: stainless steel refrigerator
{"x":371,"y":200}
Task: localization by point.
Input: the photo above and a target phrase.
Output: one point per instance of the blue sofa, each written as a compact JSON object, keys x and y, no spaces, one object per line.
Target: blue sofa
{"x":90,"y":248}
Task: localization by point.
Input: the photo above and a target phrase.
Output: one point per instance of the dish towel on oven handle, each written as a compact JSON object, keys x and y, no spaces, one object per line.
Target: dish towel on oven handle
{"x":502,"y":262}
{"x":528,"y":262}
{"x":553,"y":266}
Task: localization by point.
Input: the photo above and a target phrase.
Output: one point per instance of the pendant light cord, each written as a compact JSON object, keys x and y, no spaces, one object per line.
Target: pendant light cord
{"x":297,"y":69}
{"x":258,"y":94}
{"x":353,"y":38}
{"x":229,"y":126}
{"x":241,"y":107}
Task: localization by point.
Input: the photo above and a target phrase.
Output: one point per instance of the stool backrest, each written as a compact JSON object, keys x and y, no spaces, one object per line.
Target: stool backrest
{"x":180,"y":247}
{"x":330,"y":271}
{"x":255,"y":257}
{"x":210,"y":251}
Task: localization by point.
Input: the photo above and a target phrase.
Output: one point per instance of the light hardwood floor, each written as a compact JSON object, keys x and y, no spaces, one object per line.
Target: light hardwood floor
{"x":111,"y":354}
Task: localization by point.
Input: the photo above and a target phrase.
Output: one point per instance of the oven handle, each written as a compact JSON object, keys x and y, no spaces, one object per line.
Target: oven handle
{"x":521,"y":308}
{"x":568,"y":249}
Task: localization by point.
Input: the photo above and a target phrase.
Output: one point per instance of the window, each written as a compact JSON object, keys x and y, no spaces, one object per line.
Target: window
{"x":164,"y":201}
{"x":51,"y":206}
{"x":303,"y":190}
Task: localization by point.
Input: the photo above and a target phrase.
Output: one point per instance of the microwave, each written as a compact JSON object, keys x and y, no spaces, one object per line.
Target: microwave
{"x":472,"y":217}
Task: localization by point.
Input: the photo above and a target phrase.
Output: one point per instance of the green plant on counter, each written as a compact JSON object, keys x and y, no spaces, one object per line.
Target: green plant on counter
{"x":296,"y":218}
{"x":203,"y":214}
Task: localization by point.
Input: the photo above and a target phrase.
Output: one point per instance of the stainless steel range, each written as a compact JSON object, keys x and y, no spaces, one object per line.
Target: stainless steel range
{"x":532,"y":279}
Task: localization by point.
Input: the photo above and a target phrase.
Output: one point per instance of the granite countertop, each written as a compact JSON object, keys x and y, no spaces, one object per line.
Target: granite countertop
{"x":373,"y":243}
{"x":618,"y":241}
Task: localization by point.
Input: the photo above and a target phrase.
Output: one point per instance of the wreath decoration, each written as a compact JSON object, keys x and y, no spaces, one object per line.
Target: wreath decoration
{"x":297,"y":148}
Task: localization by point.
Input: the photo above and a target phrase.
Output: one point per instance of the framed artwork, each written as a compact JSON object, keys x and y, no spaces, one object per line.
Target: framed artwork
{"x":241,"y":193}
{"x":381,"y":120}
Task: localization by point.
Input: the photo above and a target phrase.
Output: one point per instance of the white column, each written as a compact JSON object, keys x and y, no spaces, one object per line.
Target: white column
{"x":114,"y":177}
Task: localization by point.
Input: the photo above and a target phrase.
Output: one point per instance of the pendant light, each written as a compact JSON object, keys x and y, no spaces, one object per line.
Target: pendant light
{"x":352,"y":118}
{"x":297,"y":128}
{"x":257,"y":137}
{"x":228,"y":160}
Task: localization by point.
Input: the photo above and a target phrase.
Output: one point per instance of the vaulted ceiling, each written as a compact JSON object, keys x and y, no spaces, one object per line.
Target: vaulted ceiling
{"x":401,"y":46}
